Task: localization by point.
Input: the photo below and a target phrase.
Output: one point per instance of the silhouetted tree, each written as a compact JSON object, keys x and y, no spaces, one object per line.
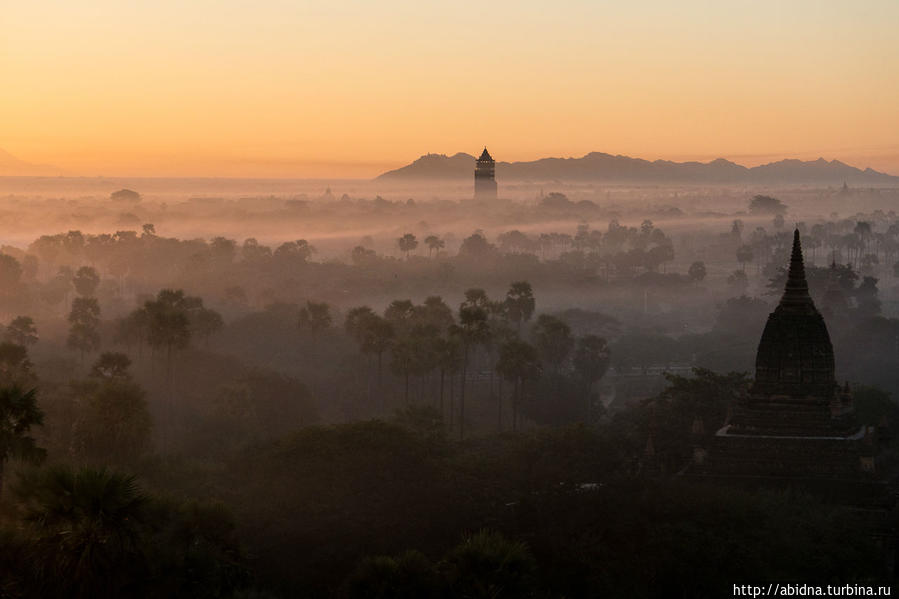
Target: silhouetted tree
{"x":112,"y":422}
{"x":762,"y":204}
{"x":407,"y":243}
{"x":520,"y":303}
{"x":10,"y":272}
{"x":488,"y":566}
{"x":125,"y":195}
{"x":404,"y":352}
{"x":472,"y":330}
{"x":448,"y":351}
{"x":315,"y":317}
{"x":133,"y":329}
{"x":409,"y":575}
{"x":86,"y":281}
{"x":21,"y":331}
{"x":84,"y":325}
{"x":553,"y":340}
{"x":697,"y":271}
{"x":434,"y":243}
{"x":518,"y":361}
{"x":15,"y":367}
{"x":476,"y":246}
{"x":744,"y":255}
{"x":205,"y":322}
{"x":374,"y":335}
{"x":169,"y":329}
{"x":591,"y":361}
{"x":87,"y":526}
{"x":400,"y":314}
{"x":435,"y":312}
{"x":19,"y":412}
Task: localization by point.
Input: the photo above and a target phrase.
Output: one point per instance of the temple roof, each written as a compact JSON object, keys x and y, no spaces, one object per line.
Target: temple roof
{"x":485,"y":155}
{"x":795,"y":355}
{"x":796,"y":297}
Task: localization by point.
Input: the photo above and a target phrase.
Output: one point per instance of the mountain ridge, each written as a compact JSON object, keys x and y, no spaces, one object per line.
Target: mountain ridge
{"x":11,"y":166}
{"x":600,"y":166}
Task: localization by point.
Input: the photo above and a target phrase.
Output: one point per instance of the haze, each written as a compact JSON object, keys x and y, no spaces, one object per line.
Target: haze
{"x":509,"y":300}
{"x":350,"y":89}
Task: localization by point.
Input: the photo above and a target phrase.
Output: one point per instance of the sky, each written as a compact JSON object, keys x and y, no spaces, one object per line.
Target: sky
{"x":277,"y":88}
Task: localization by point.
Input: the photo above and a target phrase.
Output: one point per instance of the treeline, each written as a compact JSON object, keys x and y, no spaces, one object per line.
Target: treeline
{"x":551,"y":372}
{"x":401,"y":509}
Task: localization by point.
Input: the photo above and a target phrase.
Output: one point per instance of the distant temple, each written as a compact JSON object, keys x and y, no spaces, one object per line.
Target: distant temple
{"x":796,"y":422}
{"x":485,"y":177}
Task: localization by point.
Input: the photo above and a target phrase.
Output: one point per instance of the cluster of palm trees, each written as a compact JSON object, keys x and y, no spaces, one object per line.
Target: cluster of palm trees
{"x":408,"y":242}
{"x":430,"y":342}
{"x":861,"y":243}
{"x":87,"y":533}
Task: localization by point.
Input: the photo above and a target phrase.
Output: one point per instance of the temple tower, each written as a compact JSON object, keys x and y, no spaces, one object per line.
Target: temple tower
{"x":796,"y":422}
{"x":485,"y":177}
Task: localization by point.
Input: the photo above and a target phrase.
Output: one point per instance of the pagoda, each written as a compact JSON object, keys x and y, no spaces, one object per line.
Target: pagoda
{"x":485,"y":177}
{"x":796,"y":421}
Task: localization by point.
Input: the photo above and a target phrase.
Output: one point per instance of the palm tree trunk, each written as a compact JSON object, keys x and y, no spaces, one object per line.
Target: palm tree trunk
{"x":407,"y":387}
{"x":499,"y":407}
{"x":368,"y":380}
{"x":452,"y":397}
{"x":442,"y":374}
{"x":170,"y":400}
{"x":462,"y":395}
{"x":587,"y":403}
{"x":515,"y":404}
{"x":380,"y":380}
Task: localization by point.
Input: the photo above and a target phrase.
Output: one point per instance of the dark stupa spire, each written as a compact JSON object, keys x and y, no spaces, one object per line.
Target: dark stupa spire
{"x":796,"y":297}
{"x":795,"y":356}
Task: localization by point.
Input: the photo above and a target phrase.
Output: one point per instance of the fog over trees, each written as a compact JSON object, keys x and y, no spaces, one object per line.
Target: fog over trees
{"x":388,"y":391}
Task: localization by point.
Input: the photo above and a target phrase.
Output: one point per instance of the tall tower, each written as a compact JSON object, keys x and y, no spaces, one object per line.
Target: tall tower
{"x":485,"y":177}
{"x":795,"y":422}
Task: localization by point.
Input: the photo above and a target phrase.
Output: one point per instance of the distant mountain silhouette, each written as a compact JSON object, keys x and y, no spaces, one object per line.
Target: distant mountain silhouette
{"x":10,"y":166}
{"x":597,"y":166}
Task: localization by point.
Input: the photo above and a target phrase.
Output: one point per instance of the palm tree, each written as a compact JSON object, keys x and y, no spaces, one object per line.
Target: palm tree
{"x":434,"y":243}
{"x":435,"y":312}
{"x":86,"y":281}
{"x":591,"y":360}
{"x":400,"y":314}
{"x":487,"y":564}
{"x":18,"y":413}
{"x":520,"y":302}
{"x":449,"y":360}
{"x":22,"y":331}
{"x":697,"y":271}
{"x":404,"y":352}
{"x":518,"y":360}
{"x":471,"y":331}
{"x":553,"y":339}
{"x":374,"y":335}
{"x":315,"y":317}
{"x":87,"y":527}
{"x":407,"y":243}
{"x":168,"y":328}
{"x":744,"y":255}
{"x":84,"y":332}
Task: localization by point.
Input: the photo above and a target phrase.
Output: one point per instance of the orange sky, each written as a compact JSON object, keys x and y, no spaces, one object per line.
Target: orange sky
{"x":326,"y":89}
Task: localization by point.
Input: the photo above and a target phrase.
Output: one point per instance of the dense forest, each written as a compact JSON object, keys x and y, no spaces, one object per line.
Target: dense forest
{"x":419,"y":412}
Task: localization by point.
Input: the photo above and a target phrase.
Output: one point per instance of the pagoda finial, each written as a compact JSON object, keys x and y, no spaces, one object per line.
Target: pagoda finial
{"x":796,"y":294}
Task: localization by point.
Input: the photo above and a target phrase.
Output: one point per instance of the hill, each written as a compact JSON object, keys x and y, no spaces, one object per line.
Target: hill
{"x":598,"y":166}
{"x":10,"y":166}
